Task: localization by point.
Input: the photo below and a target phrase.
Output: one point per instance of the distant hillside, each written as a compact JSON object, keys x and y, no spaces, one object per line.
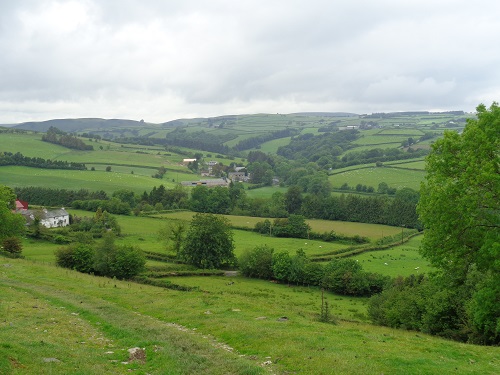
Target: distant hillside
{"x":78,"y":125}
{"x":326,"y":114}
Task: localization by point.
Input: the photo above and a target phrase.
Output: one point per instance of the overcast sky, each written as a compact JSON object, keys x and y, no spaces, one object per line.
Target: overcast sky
{"x":159,"y":60}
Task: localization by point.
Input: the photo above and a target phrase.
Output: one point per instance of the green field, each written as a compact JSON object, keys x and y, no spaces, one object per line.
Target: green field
{"x":143,"y":233}
{"x":75,"y":180}
{"x":87,"y":323}
{"x":394,"y":177}
{"x":400,"y":260}
{"x":31,"y":145}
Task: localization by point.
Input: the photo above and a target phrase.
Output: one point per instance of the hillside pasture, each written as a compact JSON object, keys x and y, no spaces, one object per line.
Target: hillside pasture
{"x":76,"y":180}
{"x":31,"y":145}
{"x":407,"y":132}
{"x":401,"y":260}
{"x":381,"y":140}
{"x":230,"y":325}
{"x":397,"y":178}
{"x":372,"y":231}
{"x":272,"y":146}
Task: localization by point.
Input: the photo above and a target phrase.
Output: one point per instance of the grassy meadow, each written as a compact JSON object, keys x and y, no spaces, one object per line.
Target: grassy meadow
{"x":143,"y":231}
{"x":57,"y":321}
{"x":15,"y":176}
{"x":372,"y":176}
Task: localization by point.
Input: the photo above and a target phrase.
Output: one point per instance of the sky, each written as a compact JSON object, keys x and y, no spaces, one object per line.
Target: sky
{"x":159,"y":60}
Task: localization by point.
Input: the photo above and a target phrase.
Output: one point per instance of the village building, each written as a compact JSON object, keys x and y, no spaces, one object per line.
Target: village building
{"x":238,"y":176}
{"x":208,"y":183}
{"x":21,"y":205}
{"x":48,"y":218}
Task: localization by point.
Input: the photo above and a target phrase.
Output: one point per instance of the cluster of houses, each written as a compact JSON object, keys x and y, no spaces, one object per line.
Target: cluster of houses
{"x":240,"y":175}
{"x":48,"y":218}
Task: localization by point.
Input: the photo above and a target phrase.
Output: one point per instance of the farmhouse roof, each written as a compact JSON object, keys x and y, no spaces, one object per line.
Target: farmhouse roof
{"x":21,"y":205}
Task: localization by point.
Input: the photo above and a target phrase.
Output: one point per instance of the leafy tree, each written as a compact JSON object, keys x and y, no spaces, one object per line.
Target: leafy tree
{"x":126,"y":196}
{"x":281,"y":266}
{"x":277,"y":205}
{"x":293,"y":199}
{"x":298,"y":267}
{"x":237,"y":194}
{"x":209,"y":242}
{"x":174,"y":233}
{"x":122,"y":262}
{"x":460,"y":199}
{"x":459,"y":208}
{"x":77,"y":256}
{"x":128,"y":261}
{"x":257,"y":262}
{"x":8,"y":196}
{"x":104,"y":253}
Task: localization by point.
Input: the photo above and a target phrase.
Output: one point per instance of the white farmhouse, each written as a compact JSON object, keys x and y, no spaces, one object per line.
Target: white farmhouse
{"x":49,"y":219}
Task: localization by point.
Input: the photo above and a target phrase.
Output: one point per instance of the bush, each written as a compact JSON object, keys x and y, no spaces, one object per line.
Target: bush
{"x":128,"y":261}
{"x":346,"y":276}
{"x":257,"y":262}
{"x":77,"y":256}
{"x":13,"y":246}
{"x":64,"y":257}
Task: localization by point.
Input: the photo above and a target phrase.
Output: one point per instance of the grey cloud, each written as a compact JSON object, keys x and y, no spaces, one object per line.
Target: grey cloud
{"x":179,"y":58}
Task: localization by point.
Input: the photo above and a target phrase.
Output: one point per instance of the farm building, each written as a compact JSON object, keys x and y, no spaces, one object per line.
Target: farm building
{"x":49,"y":219}
{"x":21,"y":205}
{"x":238,"y":176}
{"x":209,"y":183}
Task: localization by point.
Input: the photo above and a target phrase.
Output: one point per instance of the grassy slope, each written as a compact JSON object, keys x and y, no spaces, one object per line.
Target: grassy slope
{"x":75,"y":180}
{"x":372,"y":176}
{"x":52,"y":313}
{"x":81,"y":317}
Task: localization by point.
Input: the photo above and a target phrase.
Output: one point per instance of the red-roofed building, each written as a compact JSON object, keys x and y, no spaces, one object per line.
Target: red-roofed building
{"x":21,"y":205}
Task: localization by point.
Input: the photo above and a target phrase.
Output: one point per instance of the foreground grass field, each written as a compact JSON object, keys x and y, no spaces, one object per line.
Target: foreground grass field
{"x":57,"y":321}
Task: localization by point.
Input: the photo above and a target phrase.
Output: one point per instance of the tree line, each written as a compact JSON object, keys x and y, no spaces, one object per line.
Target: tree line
{"x":57,"y":136}
{"x":341,"y":276}
{"x":397,"y":210}
{"x":9,"y":158}
{"x":56,"y":197}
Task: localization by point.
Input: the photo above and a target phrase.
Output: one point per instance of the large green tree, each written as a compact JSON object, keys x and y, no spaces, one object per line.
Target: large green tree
{"x":460,"y":210}
{"x":460,"y":199}
{"x":208,"y":242}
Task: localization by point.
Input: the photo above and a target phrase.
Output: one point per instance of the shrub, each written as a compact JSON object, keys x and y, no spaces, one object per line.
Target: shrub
{"x":13,"y":246}
{"x":77,"y":256}
{"x":257,"y":262}
{"x":128,"y":261}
